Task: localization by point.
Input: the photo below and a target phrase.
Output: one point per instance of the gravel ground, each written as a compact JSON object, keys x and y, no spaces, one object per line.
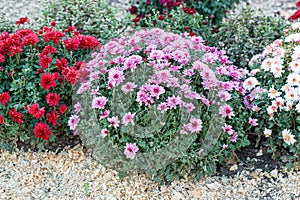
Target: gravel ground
{"x":74,"y":174}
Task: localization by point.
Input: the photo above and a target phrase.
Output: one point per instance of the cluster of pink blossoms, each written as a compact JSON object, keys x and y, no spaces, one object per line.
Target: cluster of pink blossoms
{"x":179,"y":63}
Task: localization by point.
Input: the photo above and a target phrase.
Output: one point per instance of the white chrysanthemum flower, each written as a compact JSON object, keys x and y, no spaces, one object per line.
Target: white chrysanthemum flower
{"x":295,"y":66}
{"x":288,"y":137}
{"x":250,"y":83}
{"x":273,"y":93}
{"x":291,"y":95}
{"x":267,"y":63}
{"x":267,"y":132}
{"x":296,"y":53}
{"x":255,"y":108}
{"x":278,"y":52}
{"x":293,"y":37}
{"x":293,"y":79}
{"x":279,"y":102}
{"x":295,"y":25}
{"x":285,"y":88}
{"x":277,"y":70}
{"x":271,"y":109}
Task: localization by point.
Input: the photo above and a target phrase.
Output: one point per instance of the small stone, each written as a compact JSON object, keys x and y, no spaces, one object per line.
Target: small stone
{"x":176,"y":196}
{"x":233,"y":168}
{"x":195,"y":194}
{"x":214,"y":186}
{"x":259,"y":153}
{"x":274,"y":173}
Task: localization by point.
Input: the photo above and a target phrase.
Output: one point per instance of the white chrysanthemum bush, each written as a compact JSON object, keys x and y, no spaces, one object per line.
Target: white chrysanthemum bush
{"x":273,"y":88}
{"x":160,"y":103}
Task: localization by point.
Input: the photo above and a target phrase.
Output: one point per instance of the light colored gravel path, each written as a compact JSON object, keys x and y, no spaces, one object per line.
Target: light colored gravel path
{"x":74,"y":174}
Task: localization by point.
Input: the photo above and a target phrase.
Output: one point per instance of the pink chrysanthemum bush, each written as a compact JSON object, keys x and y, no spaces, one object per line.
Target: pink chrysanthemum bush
{"x":161,"y":103}
{"x":274,"y":95}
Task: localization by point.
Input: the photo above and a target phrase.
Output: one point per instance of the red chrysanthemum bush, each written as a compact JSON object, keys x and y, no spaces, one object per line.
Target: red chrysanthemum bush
{"x":37,"y":71}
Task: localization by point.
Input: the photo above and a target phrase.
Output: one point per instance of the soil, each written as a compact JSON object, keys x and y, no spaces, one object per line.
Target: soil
{"x":63,"y":142}
{"x":249,"y":160}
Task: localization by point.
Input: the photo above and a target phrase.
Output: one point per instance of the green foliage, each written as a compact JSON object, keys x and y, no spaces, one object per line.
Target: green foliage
{"x":91,"y":17}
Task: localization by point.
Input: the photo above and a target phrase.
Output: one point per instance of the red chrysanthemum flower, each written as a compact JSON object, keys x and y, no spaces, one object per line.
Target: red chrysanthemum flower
{"x":31,"y":39}
{"x":295,"y":16}
{"x":61,"y":64}
{"x":4,"y":98}
{"x":161,"y":17}
{"x":1,"y":119}
{"x":22,"y":20}
{"x":70,"y":29}
{"x":52,"y":99}
{"x":48,"y":50}
{"x":52,"y":117}
{"x":70,"y":74}
{"x":41,"y":130}
{"x":72,"y":44}
{"x":47,"y":81}
{"x":54,"y":36}
{"x":189,"y":11}
{"x":16,"y":116}
{"x":45,"y":61}
{"x":133,"y":10}
{"x":62,"y":109}
{"x":88,"y":42}
{"x":136,"y":20}
{"x":53,"y":23}
{"x":35,"y":111}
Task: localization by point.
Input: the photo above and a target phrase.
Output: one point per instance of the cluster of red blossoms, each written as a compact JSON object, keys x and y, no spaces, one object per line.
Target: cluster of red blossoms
{"x":166,"y":3}
{"x":47,"y":42}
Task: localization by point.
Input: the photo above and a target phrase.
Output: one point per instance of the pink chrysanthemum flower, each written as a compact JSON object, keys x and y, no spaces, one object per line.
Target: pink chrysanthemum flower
{"x":128,"y":87}
{"x":84,"y":87}
{"x":233,"y":137}
{"x":114,"y":122}
{"x":156,"y":91}
{"x":73,"y":121}
{"x":115,"y":76}
{"x":195,"y":125}
{"x":253,"y":122}
{"x":226,"y":111}
{"x":77,"y":107}
{"x":99,"y":102}
{"x":227,"y":128}
{"x":163,"y":107}
{"x":173,"y":101}
{"x":128,"y":118}
{"x":94,"y":75}
{"x":185,"y":129}
{"x":224,"y":95}
{"x":190,"y":107}
{"x":130,"y":150}
{"x":104,"y":114}
{"x":104,"y":133}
